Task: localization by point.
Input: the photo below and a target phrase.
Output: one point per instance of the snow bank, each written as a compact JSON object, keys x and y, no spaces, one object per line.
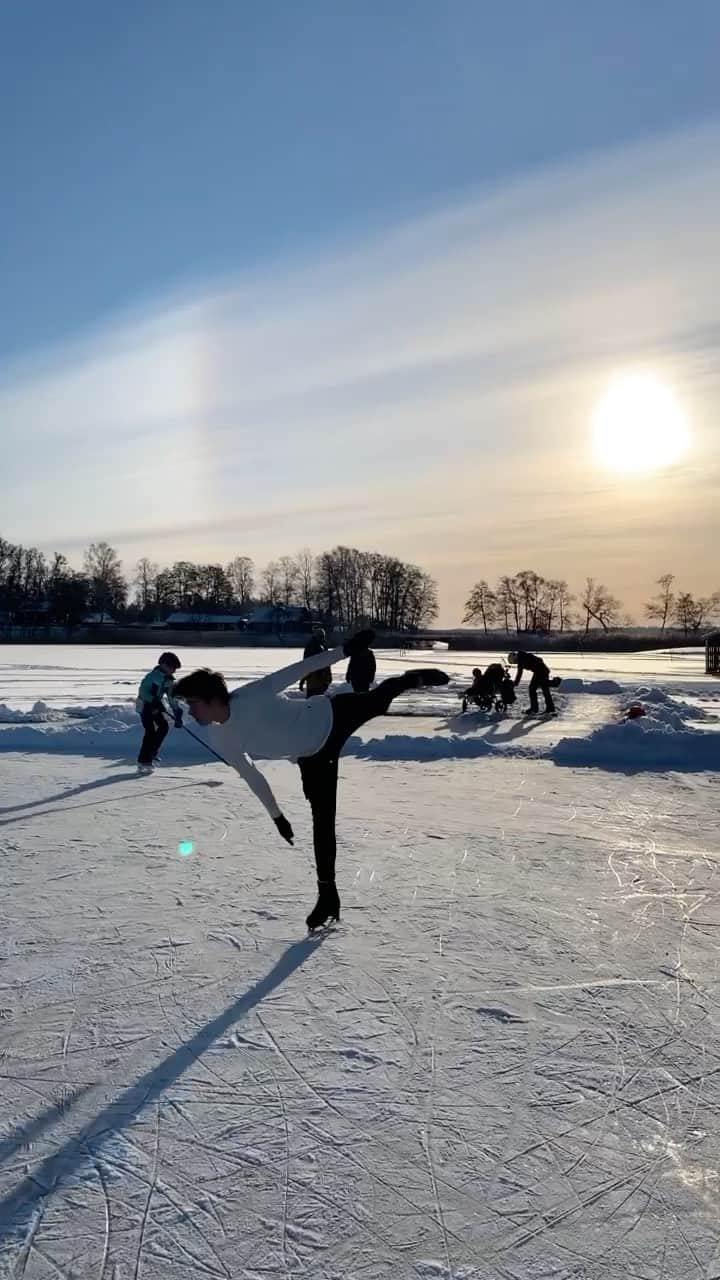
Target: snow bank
{"x":660,"y":698}
{"x":401,"y":746}
{"x":39,"y":714}
{"x":662,"y":739}
{"x":110,"y":732}
{"x":659,"y":740}
{"x":590,"y":686}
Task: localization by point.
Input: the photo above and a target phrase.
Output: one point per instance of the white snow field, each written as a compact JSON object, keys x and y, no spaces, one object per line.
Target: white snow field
{"x":504,"y":1064}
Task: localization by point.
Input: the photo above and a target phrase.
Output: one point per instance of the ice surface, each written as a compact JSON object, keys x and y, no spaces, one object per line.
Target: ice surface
{"x":503,"y":1065}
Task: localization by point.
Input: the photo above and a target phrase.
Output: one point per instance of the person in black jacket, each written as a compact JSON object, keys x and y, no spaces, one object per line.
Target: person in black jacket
{"x":319,"y":681}
{"x":361,"y":671}
{"x":540,"y":680}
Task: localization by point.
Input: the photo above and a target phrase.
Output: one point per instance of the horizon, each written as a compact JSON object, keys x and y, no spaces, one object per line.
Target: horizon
{"x":218,"y":351}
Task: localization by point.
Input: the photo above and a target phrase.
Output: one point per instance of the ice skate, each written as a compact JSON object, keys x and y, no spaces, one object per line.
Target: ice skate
{"x":327,"y":906}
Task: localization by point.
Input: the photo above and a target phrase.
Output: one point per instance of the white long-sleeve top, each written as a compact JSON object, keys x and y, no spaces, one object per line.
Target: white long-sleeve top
{"x":265,"y":725}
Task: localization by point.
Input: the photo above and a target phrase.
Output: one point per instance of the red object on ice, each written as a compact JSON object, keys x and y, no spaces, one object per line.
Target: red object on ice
{"x":635,"y":710}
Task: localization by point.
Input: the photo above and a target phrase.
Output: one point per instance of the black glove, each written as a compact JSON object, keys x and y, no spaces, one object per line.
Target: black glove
{"x":284,"y":828}
{"x":358,"y":643}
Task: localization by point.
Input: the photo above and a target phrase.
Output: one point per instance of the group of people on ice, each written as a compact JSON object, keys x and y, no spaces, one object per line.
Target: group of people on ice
{"x":494,"y":689}
{"x":256,"y":722}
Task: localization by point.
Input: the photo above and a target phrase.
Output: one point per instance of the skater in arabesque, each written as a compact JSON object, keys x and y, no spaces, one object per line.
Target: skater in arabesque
{"x":155,"y":701}
{"x":540,"y":680}
{"x":257,"y":722}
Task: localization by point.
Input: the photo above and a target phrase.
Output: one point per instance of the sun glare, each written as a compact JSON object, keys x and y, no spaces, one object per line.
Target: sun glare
{"x":638,"y":425}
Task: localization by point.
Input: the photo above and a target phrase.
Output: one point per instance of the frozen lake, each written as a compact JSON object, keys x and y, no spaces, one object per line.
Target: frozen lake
{"x":61,"y":675}
{"x":503,"y":1065}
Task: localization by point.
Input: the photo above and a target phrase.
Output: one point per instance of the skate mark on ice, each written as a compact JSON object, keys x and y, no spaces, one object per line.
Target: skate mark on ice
{"x":122,"y":1167}
{"x":19,"y":1204}
{"x":24,"y":1135}
{"x":427,"y":1146}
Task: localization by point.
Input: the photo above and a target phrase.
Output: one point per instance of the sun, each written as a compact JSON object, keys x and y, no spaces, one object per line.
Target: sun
{"x":638,"y":425}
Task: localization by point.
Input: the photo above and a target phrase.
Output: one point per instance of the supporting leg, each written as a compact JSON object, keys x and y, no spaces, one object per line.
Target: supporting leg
{"x":547,"y":695}
{"x":161,"y":731}
{"x":148,"y":747}
{"x":320,"y":778}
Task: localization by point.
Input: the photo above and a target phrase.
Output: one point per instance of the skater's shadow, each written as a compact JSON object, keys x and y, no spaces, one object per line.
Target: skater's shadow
{"x":517,"y":729}
{"x":33,"y":809}
{"x":462,"y":724}
{"x":72,"y":791}
{"x":18,"y":1207}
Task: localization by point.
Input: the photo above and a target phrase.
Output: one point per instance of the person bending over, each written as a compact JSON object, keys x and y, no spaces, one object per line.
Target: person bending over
{"x":257,"y":722}
{"x":540,"y":680}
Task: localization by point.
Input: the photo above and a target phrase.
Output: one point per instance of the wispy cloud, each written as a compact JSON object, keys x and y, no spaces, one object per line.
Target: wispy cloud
{"x":426,"y":390}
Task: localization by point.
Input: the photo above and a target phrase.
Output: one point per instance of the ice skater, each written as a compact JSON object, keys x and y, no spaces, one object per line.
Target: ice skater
{"x":155,"y":701}
{"x":257,"y":722}
{"x":361,"y":671}
{"x":319,"y":681}
{"x":540,"y":680}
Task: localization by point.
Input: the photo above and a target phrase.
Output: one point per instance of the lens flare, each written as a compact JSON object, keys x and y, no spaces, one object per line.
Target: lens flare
{"x":185,"y":848}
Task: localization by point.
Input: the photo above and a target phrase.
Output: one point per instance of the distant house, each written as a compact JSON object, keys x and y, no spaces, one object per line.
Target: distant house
{"x":97,"y":620}
{"x":278,"y":618}
{"x":186,"y":620}
{"x":712,"y":654}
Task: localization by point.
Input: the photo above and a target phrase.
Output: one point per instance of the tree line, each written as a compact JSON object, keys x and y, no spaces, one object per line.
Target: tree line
{"x":526,"y":601}
{"x":343,"y":586}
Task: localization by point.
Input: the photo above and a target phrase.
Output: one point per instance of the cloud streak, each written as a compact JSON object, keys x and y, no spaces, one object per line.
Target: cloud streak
{"x":426,"y":390}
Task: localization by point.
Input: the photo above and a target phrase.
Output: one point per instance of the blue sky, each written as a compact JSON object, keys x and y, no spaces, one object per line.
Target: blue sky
{"x":195,"y":193}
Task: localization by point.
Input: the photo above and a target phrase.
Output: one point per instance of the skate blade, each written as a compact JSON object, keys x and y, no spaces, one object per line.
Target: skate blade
{"x":327,"y":926}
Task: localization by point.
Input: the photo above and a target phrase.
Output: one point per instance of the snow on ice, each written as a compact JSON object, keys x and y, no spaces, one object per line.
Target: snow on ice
{"x":503,"y":1065}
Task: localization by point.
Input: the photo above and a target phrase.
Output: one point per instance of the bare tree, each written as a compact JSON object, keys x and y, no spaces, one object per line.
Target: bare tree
{"x":530,"y":588}
{"x":660,"y":608}
{"x":146,"y":574}
{"x":288,"y":574}
{"x":241,"y":572}
{"x":305,"y":565}
{"x":693,"y":612}
{"x":507,"y":592}
{"x":103,"y":569}
{"x":271,"y":583}
{"x":481,"y":605}
{"x":599,"y":605}
{"x":557,"y":602}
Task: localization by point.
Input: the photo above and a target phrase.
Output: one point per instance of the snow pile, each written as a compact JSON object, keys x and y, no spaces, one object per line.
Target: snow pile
{"x":591,"y":686}
{"x":40,"y":713}
{"x":112,"y":732}
{"x":400,"y":746}
{"x":660,"y":698}
{"x":659,"y":740}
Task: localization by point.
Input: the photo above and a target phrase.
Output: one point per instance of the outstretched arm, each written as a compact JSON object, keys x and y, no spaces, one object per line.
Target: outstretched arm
{"x":258,"y":784}
{"x":283,"y":679}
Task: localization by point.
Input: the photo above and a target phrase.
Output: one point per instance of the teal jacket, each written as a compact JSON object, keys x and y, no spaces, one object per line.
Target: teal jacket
{"x":156,"y":686}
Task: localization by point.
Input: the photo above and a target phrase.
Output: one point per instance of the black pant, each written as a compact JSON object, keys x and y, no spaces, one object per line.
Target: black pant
{"x":320,"y":772}
{"x":541,"y":681}
{"x":156,"y":727}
